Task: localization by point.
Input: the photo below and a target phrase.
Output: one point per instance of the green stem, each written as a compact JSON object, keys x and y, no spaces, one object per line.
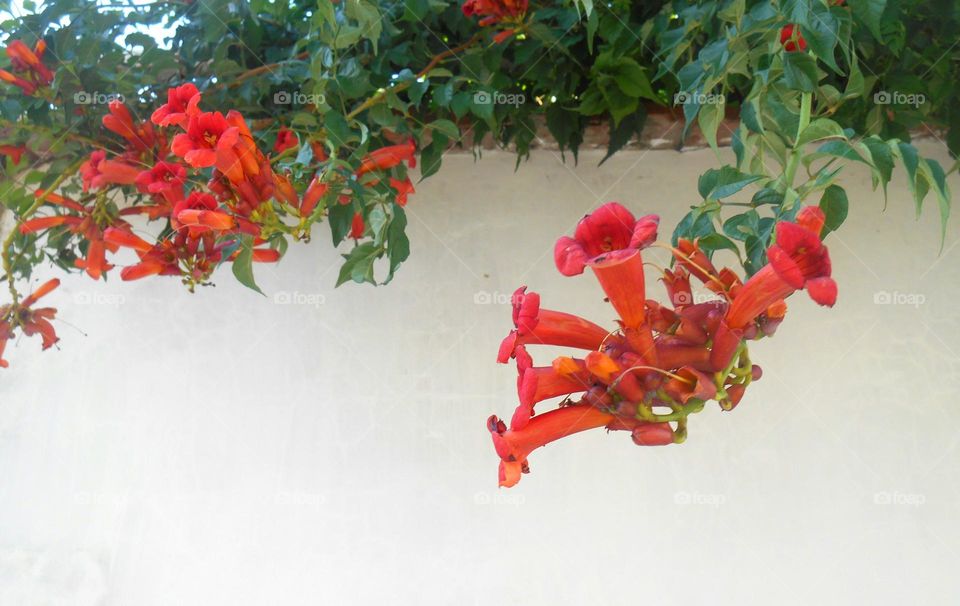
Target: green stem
{"x":806,"y":101}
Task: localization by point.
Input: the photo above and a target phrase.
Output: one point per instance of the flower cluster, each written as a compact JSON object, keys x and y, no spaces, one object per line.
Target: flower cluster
{"x":205,"y":227}
{"x":663,"y":362}
{"x":791,"y":39}
{"x":204,"y":176}
{"x":510,"y":13}
{"x":31,"y":321}
{"x":28,"y":71}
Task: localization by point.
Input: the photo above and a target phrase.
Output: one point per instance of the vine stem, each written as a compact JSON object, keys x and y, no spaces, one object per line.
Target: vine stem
{"x":806,"y":101}
{"x":437,"y":59}
{"x":256,"y":71}
{"x":8,"y":241}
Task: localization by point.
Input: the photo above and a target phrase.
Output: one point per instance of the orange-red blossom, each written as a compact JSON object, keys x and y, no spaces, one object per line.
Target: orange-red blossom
{"x":662,"y":362}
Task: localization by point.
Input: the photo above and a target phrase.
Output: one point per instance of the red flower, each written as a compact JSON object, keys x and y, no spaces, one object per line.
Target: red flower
{"x":404,"y":188}
{"x":24,"y":59}
{"x":621,"y":278}
{"x":535,"y":384}
{"x":494,"y":11}
{"x":546,"y":327}
{"x":791,"y":39}
{"x":98,"y":172}
{"x":356,"y":226}
{"x":663,"y":363}
{"x":691,"y":383}
{"x":610,"y":231}
{"x":165,"y":182}
{"x":139,"y":136}
{"x":198,"y":212}
{"x":315,"y":192}
{"x":31,"y":321}
{"x":182,"y":103}
{"x":28,"y":88}
{"x":388,"y":157}
{"x":286,"y":139}
{"x":284,"y":190}
{"x":694,"y":260}
{"x":678,"y":286}
{"x":95,"y":261}
{"x":155,"y":259}
{"x":14,"y":151}
{"x":27,"y":62}
{"x":515,"y":445}
{"x":653,"y":434}
{"x":209,"y":141}
{"x":797,"y":260}
{"x":87,"y":223}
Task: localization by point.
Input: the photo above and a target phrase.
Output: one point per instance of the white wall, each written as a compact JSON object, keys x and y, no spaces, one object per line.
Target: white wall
{"x":223,"y":449}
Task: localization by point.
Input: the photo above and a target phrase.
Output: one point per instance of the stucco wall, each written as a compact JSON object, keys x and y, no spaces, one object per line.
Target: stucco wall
{"x":227,"y":448}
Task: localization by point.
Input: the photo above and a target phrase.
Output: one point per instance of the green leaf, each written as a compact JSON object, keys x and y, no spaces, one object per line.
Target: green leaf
{"x":243,"y":264}
{"x":911,"y":161}
{"x":714,"y":242}
{"x":749,"y":115}
{"x":767,"y":195}
{"x":359,"y":264}
{"x":820,"y":31}
{"x":446,"y":127}
{"x":711,"y":114}
{"x":432,"y":155}
{"x":882,"y":159}
{"x":398,"y":245}
{"x":377,"y":220}
{"x":839,"y":149}
{"x":934,"y":173}
{"x":716,"y":184}
{"x":337,"y":128}
{"x":821,"y":128}
{"x":621,"y":134}
{"x":869,"y":12}
{"x":632,"y":79}
{"x":741,"y":226}
{"x":340,"y":217}
{"x":800,"y":71}
{"x":834,"y":205}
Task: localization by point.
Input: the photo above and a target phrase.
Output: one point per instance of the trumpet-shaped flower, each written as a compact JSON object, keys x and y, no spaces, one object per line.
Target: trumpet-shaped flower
{"x":610,"y":232}
{"x":182,"y":103}
{"x":798,"y":260}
